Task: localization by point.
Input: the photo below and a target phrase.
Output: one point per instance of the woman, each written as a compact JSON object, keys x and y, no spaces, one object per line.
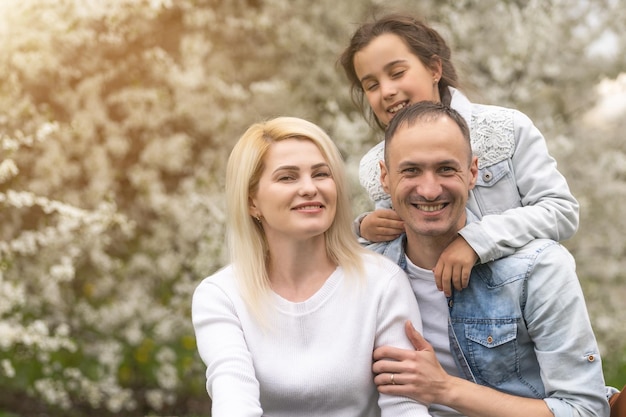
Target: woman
{"x":520,"y":195}
{"x":289,"y":327}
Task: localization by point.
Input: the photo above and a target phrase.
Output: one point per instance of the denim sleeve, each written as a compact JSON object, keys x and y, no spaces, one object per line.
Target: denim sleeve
{"x":566,"y":348}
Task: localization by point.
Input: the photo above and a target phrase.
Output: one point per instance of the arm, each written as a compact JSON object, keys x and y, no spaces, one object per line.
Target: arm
{"x":548,"y":209}
{"x":383,"y":224}
{"x":558,"y":325}
{"x":565,"y":345}
{"x":418,"y":375}
{"x":231,"y":381}
{"x":397,"y":304}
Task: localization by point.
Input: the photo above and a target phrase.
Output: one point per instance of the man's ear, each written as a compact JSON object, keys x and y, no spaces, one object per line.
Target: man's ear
{"x":473,"y":172}
{"x":384,"y":176}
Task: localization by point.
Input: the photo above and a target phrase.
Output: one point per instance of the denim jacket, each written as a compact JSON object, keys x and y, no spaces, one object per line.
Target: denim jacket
{"x":519,"y":196}
{"x":521,"y":327}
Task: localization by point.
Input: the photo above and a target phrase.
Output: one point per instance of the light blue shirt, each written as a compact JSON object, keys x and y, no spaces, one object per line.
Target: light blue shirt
{"x":522,"y":327}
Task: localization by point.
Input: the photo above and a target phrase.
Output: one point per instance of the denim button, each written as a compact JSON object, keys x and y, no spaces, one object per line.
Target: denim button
{"x":487,"y":176}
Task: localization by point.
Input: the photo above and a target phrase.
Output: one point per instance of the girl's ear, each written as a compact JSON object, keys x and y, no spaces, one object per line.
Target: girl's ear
{"x":436,"y":67}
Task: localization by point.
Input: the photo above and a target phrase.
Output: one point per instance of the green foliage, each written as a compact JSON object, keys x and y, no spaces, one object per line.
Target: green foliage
{"x":117,"y":117}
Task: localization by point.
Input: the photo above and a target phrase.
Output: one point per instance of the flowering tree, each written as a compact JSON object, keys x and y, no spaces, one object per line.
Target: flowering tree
{"x":117,"y":117}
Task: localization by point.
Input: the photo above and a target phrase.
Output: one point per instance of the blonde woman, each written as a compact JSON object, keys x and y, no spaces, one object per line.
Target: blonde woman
{"x":289,"y":327}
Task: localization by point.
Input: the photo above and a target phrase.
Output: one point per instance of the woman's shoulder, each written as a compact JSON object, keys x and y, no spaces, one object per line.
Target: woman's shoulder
{"x":379,"y":266}
{"x":222,"y":279}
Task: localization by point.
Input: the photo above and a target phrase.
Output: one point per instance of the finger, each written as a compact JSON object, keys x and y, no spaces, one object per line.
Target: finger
{"x":438,"y":271}
{"x":446,"y":280}
{"x":386,"y":237}
{"x":465,"y":277}
{"x":416,"y":338}
{"x":391,"y":215}
{"x":392,"y":354}
{"x":388,"y":378}
{"x":386,"y":366}
{"x":457,"y":278}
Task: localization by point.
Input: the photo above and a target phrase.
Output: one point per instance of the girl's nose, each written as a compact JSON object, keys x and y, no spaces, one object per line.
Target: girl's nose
{"x":388,"y":89}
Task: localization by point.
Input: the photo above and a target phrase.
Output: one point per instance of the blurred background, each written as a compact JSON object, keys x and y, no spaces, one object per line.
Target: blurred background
{"x":117,"y":117}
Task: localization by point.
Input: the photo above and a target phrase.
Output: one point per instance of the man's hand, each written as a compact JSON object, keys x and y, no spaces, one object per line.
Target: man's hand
{"x":454,"y":266}
{"x":416,"y":373}
{"x":382,"y":225}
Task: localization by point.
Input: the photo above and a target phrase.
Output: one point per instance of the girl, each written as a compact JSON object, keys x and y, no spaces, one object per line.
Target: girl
{"x":520,"y":195}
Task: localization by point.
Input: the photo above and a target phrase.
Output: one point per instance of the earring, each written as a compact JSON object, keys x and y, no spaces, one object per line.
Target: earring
{"x":258,"y":218}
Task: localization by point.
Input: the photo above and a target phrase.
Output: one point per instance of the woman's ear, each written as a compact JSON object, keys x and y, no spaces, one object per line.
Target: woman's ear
{"x":253,"y":209}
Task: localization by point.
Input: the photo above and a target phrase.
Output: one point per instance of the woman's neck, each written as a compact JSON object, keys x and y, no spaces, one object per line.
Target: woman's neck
{"x":299,"y":269}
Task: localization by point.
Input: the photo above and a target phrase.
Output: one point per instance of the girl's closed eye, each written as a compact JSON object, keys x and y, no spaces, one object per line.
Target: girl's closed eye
{"x":371,"y":86}
{"x":398,"y":73}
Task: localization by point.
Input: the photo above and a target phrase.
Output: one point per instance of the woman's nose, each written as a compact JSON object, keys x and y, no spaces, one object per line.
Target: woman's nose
{"x":307,"y":187}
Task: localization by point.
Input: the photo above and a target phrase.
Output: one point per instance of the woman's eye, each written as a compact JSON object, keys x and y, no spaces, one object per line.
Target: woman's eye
{"x":322,"y":174}
{"x":397,"y":74}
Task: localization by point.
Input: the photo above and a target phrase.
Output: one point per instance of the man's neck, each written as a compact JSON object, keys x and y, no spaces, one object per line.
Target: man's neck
{"x":424,"y":251}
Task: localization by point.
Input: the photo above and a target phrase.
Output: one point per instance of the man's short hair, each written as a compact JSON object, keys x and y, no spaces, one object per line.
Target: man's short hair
{"x":425,"y":111}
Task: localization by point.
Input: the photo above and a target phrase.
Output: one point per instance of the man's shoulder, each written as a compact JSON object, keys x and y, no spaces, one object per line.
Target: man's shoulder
{"x":546,"y":251}
{"x":538,"y":247}
{"x":393,"y":249}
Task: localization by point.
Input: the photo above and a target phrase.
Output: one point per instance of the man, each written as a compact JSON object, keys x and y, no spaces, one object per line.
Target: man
{"x":518,"y":340}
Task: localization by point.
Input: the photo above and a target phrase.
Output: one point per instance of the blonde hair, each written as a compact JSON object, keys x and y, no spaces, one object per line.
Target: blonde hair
{"x":249,"y":252}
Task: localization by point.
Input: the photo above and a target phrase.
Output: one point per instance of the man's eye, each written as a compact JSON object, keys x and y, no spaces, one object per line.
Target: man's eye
{"x":409,"y":171}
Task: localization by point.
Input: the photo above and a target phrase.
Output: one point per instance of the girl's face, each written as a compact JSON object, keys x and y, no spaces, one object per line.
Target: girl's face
{"x":393,"y":77}
{"x":296,"y":196}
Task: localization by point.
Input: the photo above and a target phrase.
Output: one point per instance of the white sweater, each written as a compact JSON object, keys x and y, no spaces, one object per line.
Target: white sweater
{"x":313,"y":358}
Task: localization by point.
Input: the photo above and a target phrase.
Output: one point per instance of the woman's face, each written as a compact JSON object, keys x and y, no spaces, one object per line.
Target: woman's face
{"x":393,"y":77}
{"x":296,"y":196}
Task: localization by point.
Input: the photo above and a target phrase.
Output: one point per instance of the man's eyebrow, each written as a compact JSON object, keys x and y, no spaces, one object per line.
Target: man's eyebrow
{"x":443,"y":162}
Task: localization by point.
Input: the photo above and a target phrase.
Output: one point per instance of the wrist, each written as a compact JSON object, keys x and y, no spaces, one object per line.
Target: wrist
{"x":357,"y":223}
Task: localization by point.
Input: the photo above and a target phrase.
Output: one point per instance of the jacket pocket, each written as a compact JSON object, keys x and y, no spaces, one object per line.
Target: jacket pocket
{"x":496,"y":190}
{"x":492,"y":349}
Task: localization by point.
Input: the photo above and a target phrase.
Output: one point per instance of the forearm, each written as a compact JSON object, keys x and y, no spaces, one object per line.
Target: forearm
{"x":473,"y":400}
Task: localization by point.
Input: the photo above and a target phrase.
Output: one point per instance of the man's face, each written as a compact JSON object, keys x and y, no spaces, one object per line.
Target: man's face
{"x":429,"y":175}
